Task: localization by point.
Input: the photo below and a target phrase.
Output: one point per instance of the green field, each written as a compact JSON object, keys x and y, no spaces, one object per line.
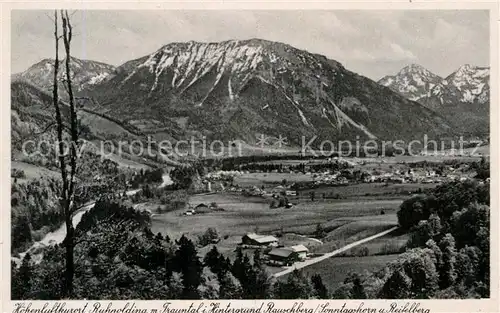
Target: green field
{"x":344,"y":221}
{"x":369,"y":189}
{"x":105,"y":126}
{"x":393,"y":243}
{"x":269,"y":179}
{"x":128,"y":163}
{"x":334,"y":271}
{"x":483,"y":150}
{"x":243,"y":214}
{"x":32,"y":171}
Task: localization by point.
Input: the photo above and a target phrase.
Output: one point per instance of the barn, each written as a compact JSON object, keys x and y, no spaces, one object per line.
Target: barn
{"x":284,"y":256}
{"x":301,"y":251}
{"x":252,"y":239}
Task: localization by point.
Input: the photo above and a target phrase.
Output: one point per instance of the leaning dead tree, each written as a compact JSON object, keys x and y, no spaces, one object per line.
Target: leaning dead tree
{"x":68,"y":156}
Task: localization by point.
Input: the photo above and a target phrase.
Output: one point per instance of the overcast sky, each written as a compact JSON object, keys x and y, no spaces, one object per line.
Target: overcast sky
{"x":371,"y":43}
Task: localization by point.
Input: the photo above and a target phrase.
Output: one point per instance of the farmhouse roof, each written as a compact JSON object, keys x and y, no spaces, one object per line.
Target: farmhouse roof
{"x":299,"y":248}
{"x":264,"y":239}
{"x":253,"y":235}
{"x":202,"y":205}
{"x":261,"y":238}
{"x":281,"y":252}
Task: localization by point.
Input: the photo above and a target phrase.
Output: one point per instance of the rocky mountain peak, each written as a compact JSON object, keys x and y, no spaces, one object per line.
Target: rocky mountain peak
{"x":84,"y":72}
{"x":413,"y":81}
{"x":463,"y":96}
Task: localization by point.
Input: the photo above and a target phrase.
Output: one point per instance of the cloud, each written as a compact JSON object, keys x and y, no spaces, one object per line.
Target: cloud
{"x":362,"y":55}
{"x":382,"y":52}
{"x":400,"y":53}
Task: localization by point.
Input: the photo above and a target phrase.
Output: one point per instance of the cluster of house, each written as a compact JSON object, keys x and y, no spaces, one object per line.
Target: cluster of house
{"x":457,"y":152}
{"x":222,"y":175}
{"x":217,"y":181}
{"x":418,"y":176}
{"x":270,"y":192}
{"x":274,"y":253}
{"x":327,"y":178}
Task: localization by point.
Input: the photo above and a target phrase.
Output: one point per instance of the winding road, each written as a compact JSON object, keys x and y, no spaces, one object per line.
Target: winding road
{"x":299,"y":265}
{"x":57,"y":236}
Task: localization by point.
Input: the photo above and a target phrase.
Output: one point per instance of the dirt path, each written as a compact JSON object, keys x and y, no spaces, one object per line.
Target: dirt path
{"x":299,"y":265}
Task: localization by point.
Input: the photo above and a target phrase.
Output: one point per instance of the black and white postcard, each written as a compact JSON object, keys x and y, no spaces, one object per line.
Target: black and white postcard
{"x":204,"y":156}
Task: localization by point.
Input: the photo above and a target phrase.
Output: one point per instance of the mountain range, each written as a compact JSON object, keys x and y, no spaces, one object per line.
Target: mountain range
{"x":85,"y":74}
{"x":463,"y":97}
{"x":238,"y":89}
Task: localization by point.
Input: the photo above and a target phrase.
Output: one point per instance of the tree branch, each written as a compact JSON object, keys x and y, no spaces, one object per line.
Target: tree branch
{"x":50,"y":18}
{"x":55,"y":99}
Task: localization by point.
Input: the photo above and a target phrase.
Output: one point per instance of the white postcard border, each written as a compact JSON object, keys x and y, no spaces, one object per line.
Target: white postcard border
{"x":483,"y":305}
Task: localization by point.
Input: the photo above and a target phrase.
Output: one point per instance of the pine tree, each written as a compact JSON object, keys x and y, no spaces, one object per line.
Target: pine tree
{"x":257,"y":259}
{"x":358,"y":291}
{"x":247,"y":279}
{"x":320,"y":290}
{"x":212,"y":260}
{"x":21,"y":280}
{"x":261,"y":281}
{"x":187,"y":263}
{"x":237,"y":268}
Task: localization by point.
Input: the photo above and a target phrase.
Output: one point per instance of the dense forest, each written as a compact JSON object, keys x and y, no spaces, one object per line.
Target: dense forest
{"x":118,"y":257}
{"x":35,"y":210}
{"x":448,"y":254}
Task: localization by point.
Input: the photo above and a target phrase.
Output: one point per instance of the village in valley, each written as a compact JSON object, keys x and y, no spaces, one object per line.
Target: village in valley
{"x":179,"y":167}
{"x":284,"y":188}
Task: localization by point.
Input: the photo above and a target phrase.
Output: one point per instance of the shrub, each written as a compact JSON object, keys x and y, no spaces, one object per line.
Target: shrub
{"x":17,"y":173}
{"x":208,"y":237}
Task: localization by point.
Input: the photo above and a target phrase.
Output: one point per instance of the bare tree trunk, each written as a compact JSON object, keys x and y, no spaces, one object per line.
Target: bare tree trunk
{"x":60,"y":126}
{"x":68,"y":183}
{"x":67,"y":36}
{"x":70,"y":231}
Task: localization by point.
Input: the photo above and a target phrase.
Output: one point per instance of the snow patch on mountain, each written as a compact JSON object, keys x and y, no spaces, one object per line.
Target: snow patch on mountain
{"x":413,"y":82}
{"x":468,"y":84}
{"x":84,"y":73}
{"x":239,"y":62}
{"x":98,"y":78}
